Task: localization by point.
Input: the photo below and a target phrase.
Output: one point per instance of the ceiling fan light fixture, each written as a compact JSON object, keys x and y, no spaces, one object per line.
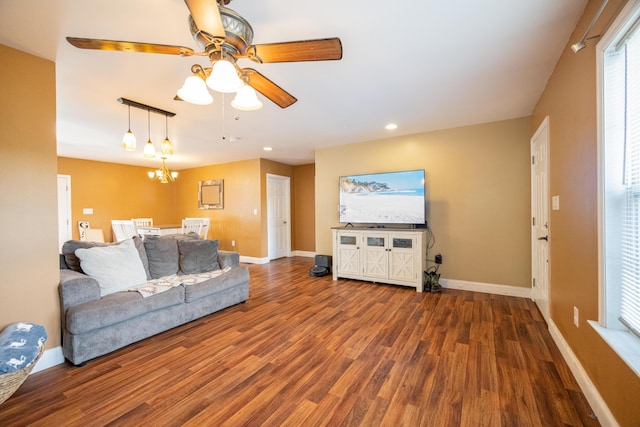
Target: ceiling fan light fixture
{"x":224,"y":77}
{"x":246,"y":99}
{"x":194,"y":91}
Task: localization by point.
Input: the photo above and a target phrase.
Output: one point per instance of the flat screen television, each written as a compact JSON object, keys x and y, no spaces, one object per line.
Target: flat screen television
{"x":383,"y":198}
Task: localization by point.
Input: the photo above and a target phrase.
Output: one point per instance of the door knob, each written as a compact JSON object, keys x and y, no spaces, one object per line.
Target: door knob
{"x":544,"y":238}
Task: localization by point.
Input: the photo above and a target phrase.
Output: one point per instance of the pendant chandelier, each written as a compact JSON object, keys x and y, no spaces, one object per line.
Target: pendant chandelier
{"x":129,"y":139}
{"x":164,"y":175}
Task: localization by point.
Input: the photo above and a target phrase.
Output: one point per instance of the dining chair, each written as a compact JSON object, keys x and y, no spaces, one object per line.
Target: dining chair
{"x":123,"y":229}
{"x":143,"y":222}
{"x":205,"y":226}
{"x":190,"y":225}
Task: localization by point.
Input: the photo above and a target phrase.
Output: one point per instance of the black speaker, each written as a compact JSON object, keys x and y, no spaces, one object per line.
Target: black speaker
{"x":324,"y":261}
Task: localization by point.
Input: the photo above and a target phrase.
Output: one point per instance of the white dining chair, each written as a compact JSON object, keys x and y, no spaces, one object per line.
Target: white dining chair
{"x":123,"y":229}
{"x":192,"y":225}
{"x":143,"y":222}
{"x":205,"y":226}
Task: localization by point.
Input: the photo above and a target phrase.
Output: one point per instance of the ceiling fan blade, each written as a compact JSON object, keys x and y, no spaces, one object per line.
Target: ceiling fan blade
{"x":206,"y":15}
{"x":297,"y":51}
{"x":268,"y":88}
{"x":130,"y":46}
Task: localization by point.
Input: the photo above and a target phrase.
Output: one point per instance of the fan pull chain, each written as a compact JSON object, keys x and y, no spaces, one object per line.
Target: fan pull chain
{"x":223,"y":132}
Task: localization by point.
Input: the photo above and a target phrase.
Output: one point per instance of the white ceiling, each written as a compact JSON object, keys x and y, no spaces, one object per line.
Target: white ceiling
{"x":423,"y":64}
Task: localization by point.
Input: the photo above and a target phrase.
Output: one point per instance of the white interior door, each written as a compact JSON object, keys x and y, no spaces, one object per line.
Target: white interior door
{"x":540,"y":217}
{"x":64,"y":209}
{"x":278,"y":216}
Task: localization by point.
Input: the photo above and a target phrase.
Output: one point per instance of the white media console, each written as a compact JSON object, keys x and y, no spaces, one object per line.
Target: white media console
{"x":384,"y":255}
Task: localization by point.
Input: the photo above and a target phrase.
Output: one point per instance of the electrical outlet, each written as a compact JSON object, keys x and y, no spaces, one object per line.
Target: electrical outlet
{"x":576,"y":316}
{"x":233,"y":243}
{"x":438,"y":259}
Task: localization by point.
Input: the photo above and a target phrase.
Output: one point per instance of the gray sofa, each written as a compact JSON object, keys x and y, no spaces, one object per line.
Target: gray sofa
{"x":97,"y":319}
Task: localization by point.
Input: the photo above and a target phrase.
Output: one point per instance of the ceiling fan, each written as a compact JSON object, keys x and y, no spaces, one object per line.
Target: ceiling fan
{"x":225,"y":36}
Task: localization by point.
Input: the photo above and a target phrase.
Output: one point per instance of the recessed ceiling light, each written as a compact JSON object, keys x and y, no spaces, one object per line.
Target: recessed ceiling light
{"x":267,"y":148}
{"x":391,"y":126}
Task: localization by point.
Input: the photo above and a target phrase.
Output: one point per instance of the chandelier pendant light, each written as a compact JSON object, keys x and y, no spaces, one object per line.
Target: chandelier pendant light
{"x":149,"y":149}
{"x":164,"y":175}
{"x":129,"y":139}
{"x":167,"y":148}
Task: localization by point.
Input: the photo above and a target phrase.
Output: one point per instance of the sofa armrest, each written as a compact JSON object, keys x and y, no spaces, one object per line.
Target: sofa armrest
{"x":77,"y":288}
{"x":228,"y":259}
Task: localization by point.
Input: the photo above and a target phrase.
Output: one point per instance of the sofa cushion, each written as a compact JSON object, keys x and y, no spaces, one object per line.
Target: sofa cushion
{"x":115,"y":267}
{"x":198,"y":256}
{"x":227,"y":280}
{"x":118,"y":307}
{"x":162,"y":253}
{"x":69,"y":252}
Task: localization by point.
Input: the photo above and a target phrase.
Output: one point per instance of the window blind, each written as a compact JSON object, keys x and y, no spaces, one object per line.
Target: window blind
{"x":630,"y":239}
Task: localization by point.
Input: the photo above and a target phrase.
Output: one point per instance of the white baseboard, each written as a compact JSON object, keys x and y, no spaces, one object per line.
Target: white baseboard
{"x":600,"y":408}
{"x":254,"y":260}
{"x":487,"y":288}
{"x":265,"y":260}
{"x":306,"y":254}
{"x":49,"y":358}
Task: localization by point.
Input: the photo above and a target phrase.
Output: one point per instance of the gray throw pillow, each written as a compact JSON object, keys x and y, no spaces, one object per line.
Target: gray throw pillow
{"x":198,"y":256}
{"x":162,"y":253}
{"x":115,"y":267}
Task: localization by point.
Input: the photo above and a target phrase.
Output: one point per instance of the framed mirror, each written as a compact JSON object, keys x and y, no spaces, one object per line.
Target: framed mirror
{"x":210,"y":194}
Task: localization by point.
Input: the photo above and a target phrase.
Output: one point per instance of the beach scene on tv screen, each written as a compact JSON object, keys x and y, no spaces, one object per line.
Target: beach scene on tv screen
{"x":383,"y":198}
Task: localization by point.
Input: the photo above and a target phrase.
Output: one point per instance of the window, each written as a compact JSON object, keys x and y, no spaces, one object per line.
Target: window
{"x":619,"y":150}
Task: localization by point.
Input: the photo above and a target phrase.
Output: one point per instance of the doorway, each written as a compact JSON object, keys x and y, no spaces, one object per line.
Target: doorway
{"x":540,"y":218}
{"x":278,"y":216}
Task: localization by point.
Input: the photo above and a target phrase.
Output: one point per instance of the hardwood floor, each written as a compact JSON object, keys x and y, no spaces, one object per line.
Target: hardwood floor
{"x":305,"y":351}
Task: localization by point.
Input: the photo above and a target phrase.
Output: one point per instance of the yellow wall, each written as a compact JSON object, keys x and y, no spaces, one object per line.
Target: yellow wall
{"x":116,"y":191}
{"x":241,"y":196}
{"x":28,"y":202}
{"x":570,"y":102}
{"x":477,"y":189}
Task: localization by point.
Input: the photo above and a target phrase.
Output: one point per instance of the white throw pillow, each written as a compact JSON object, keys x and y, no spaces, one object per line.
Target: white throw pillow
{"x":115,"y":267}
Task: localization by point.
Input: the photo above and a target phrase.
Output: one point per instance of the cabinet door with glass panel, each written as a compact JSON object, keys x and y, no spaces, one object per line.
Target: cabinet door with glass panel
{"x":347,"y":248}
{"x":375,"y":256}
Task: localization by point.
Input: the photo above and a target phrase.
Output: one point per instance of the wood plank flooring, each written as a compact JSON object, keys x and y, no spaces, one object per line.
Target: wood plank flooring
{"x":305,"y":351}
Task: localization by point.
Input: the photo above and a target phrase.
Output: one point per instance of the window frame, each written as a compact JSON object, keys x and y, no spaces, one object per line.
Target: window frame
{"x":623,"y":342}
